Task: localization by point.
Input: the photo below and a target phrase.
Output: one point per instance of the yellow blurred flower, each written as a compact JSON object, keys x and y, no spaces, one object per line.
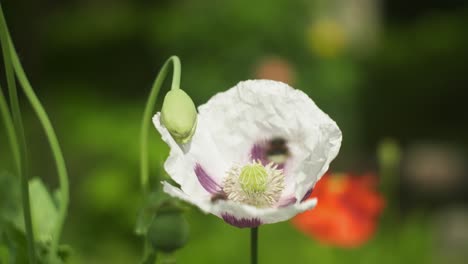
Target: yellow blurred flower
{"x":326,"y":38}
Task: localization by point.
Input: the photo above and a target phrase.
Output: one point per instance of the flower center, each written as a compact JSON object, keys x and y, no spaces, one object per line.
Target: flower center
{"x":253,"y":178}
{"x":254,"y":184}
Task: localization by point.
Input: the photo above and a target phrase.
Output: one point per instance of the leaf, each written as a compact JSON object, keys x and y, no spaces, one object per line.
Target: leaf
{"x":155,"y":202}
{"x":43,"y":210}
{"x":147,"y":212}
{"x":4,"y":254}
{"x":63,"y":252}
{"x":57,"y":197}
{"x":143,"y":221}
{"x":10,"y":201}
{"x":150,"y":258}
{"x":14,"y":241}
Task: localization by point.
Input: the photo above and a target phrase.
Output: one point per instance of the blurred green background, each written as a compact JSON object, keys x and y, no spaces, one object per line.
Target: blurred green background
{"x":381,"y":69}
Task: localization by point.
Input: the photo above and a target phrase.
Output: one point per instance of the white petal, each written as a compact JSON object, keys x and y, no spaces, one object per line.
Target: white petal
{"x":265,"y":215}
{"x":262,"y":109}
{"x":230,"y":123}
{"x":240,"y":211}
{"x":182,"y":159}
{"x":204,"y":205}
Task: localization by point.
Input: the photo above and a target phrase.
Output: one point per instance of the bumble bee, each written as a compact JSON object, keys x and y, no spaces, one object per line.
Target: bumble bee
{"x":277,"y":150}
{"x":218,"y":196}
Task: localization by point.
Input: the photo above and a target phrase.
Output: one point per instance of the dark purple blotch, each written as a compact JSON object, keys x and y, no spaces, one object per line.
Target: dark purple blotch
{"x":241,"y":222}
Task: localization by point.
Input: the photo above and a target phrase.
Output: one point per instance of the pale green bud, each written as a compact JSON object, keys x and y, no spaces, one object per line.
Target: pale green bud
{"x":179,"y":115}
{"x":253,"y":178}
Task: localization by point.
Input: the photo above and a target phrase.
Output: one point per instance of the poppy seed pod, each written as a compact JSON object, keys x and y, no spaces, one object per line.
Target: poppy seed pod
{"x":168,"y":231}
{"x":179,"y":115}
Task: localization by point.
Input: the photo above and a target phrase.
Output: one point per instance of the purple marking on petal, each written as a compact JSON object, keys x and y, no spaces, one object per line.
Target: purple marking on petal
{"x":286,"y":201}
{"x":207,"y":182}
{"x":242,"y":222}
{"x":258,"y":153}
{"x":308,"y":193}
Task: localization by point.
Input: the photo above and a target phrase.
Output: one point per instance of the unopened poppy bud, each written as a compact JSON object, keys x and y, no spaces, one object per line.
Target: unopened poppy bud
{"x":168,"y":231}
{"x":179,"y":115}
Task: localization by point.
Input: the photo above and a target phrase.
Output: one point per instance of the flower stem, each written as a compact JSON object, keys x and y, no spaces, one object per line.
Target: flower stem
{"x":149,"y":255}
{"x":145,"y":124}
{"x":51,"y":136}
{"x":54,"y":145}
{"x":10,"y":129}
{"x":20,"y":151}
{"x":254,"y":245}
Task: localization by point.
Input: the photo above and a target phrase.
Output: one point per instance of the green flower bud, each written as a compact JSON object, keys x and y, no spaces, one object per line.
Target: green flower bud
{"x":168,"y":231}
{"x":179,"y":115}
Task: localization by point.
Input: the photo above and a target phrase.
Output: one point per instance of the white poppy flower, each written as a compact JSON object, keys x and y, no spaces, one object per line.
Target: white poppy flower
{"x":257,"y":152}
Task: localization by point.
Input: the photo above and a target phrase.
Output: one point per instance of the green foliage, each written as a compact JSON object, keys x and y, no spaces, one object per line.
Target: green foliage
{"x":10,"y":201}
{"x":106,"y":189}
{"x":14,"y":242}
{"x":43,"y":209}
{"x":162,"y":225}
{"x":12,"y":231}
{"x":12,"y":236}
{"x":153,"y":203}
{"x":4,"y":254}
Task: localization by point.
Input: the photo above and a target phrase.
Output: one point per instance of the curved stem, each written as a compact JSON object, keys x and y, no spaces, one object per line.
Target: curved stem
{"x":254,"y":245}
{"x":176,"y":72}
{"x":145,"y":124}
{"x":22,"y":162}
{"x":53,"y":142}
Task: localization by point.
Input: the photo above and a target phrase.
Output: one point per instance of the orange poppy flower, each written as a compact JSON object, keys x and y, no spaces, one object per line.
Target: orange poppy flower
{"x":347,"y":211}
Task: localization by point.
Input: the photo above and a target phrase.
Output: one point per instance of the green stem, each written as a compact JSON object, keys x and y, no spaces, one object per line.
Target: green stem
{"x":176,"y":72}
{"x":168,"y":258}
{"x":54,"y":144}
{"x":10,"y":129}
{"x":145,"y":124}
{"x":52,"y":138}
{"x":149,"y":256}
{"x":22,"y":165}
{"x":254,"y":245}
